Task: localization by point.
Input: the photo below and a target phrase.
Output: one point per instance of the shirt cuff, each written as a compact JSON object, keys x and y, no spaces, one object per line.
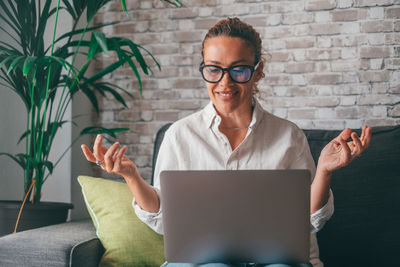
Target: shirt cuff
{"x":321,"y":216}
{"x":152,"y":219}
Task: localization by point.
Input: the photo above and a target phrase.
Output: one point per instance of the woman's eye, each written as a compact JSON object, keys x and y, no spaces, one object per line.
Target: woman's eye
{"x":239,"y":70}
{"x":213,"y":70}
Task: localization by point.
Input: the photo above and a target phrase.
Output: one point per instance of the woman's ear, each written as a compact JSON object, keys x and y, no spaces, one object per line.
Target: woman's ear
{"x":259,"y":72}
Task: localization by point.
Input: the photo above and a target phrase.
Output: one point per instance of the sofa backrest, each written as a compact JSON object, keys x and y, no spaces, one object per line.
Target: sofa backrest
{"x":365,"y":228}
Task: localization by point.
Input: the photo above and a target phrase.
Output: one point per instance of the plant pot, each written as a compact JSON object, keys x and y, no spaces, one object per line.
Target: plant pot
{"x":33,"y":215}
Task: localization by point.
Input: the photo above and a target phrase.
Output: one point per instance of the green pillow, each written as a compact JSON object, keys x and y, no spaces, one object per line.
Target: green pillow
{"x":126,"y":239}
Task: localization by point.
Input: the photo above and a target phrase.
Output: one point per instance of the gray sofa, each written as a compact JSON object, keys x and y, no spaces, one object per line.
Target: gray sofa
{"x":364,"y":231}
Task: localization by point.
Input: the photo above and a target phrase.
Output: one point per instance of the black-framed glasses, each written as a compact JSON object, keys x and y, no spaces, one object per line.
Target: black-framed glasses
{"x":238,"y":73}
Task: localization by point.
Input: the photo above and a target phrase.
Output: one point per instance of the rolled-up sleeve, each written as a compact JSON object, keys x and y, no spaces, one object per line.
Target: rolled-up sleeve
{"x":321,"y":216}
{"x":152,"y":219}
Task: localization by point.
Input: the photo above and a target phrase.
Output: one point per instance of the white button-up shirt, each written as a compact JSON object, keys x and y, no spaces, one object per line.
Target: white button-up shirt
{"x":195,"y":143}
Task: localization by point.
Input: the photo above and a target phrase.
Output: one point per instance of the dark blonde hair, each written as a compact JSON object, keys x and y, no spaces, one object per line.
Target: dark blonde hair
{"x":234,"y":27}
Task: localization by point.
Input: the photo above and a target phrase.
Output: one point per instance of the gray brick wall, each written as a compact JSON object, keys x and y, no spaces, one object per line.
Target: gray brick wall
{"x":330,"y":63}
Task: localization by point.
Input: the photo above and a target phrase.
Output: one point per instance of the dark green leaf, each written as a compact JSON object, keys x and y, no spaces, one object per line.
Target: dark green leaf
{"x":29,"y":61}
{"x":14,"y":63}
{"x":70,"y":9}
{"x":16,"y":159}
{"x":116,"y":95}
{"x":101,"y":39}
{"x":92,"y":97}
{"x":48,"y":165}
{"x":23,"y":136}
{"x":105,"y":71}
{"x":75,"y":32}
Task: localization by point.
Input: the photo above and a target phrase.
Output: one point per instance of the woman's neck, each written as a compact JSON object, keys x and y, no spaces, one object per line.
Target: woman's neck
{"x":239,"y":119}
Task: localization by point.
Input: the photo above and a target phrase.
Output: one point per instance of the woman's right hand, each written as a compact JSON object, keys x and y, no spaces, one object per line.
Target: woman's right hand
{"x":113,"y":159}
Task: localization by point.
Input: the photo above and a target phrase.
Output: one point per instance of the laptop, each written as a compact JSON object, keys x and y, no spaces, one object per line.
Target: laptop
{"x":257,"y":216}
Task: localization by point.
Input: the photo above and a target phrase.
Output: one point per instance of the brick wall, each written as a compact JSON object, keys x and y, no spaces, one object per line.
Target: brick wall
{"x":330,"y":63}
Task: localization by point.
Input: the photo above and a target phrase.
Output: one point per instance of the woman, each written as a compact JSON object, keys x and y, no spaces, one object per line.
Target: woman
{"x":234,"y":132}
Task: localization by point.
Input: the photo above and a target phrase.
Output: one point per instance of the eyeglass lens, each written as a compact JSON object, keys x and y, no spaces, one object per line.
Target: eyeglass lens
{"x":237,"y":73}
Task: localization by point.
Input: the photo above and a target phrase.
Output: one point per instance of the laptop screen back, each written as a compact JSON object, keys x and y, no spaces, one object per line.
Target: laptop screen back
{"x":260,"y":216}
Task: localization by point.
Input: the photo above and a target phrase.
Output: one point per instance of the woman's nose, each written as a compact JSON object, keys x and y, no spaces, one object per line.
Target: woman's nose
{"x":226,"y":79}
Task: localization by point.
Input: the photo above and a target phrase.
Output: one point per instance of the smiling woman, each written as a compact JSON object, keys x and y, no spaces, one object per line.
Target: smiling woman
{"x":234,"y":132}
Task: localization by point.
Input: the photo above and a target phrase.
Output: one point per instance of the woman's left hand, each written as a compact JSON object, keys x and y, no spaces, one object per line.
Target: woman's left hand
{"x":339,"y":153}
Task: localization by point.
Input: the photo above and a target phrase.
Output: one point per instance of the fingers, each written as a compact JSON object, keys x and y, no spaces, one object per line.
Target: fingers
{"x":118,"y":159}
{"x":347,"y":150}
{"x":98,"y":149}
{"x":361,"y":143}
{"x":88,"y":154}
{"x":366,"y":136}
{"x":109,"y":157}
{"x":358,"y":147}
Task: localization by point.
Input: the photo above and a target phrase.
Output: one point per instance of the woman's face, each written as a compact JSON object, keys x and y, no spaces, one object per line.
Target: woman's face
{"x":226,"y":95}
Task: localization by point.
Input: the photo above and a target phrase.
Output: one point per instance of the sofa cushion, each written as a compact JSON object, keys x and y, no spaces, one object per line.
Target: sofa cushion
{"x":126,"y":239}
{"x":67,"y":244}
{"x":364,"y":230}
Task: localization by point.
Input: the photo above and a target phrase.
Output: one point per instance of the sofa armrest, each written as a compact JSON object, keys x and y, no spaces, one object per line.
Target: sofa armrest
{"x":66,"y":244}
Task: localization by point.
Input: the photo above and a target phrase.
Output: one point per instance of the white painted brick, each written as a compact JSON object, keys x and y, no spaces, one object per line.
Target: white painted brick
{"x":299,"y":55}
{"x":323,"y":16}
{"x":146,"y":115}
{"x":107,"y":116}
{"x":350,"y":27}
{"x":324,"y":42}
{"x":394,"y":79}
{"x":275,"y":44}
{"x":380,"y":88}
{"x":376,"y":63}
{"x":275,"y":67}
{"x":379,"y":111}
{"x":322,"y":66}
{"x":298,"y":79}
{"x":186,"y":24}
{"x":324,"y":90}
{"x":348,"y":52}
{"x":394,"y":111}
{"x":348,"y":100}
{"x":205,"y":11}
{"x":350,"y":77}
{"x":376,"y":38}
{"x":354,"y":124}
{"x":326,"y":113}
{"x":345,"y":65}
{"x":274,"y":19}
{"x":344,"y":3}
{"x":376,"y":12}
{"x":329,"y":124}
{"x":146,"y":4}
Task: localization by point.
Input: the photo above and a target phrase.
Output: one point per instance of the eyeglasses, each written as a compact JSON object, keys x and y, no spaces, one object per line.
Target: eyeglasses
{"x":238,"y":73}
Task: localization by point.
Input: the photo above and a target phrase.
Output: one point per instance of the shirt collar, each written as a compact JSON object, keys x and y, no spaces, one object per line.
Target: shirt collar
{"x":211,"y":114}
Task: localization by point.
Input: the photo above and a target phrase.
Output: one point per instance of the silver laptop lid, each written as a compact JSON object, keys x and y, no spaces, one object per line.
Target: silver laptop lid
{"x":260,"y":216}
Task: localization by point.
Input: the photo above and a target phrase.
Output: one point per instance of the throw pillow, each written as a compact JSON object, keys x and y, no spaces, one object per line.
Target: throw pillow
{"x":126,"y":239}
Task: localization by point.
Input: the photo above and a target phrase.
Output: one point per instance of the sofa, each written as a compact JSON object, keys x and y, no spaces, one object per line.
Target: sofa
{"x":364,"y":230}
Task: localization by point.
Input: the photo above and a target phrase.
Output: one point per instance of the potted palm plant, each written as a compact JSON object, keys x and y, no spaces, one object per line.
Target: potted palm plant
{"x":47,"y":78}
